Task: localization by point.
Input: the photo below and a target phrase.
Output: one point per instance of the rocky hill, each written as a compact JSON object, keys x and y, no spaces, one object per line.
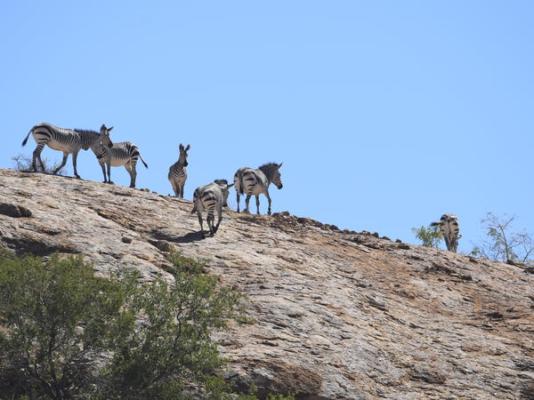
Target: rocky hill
{"x":335,"y":314}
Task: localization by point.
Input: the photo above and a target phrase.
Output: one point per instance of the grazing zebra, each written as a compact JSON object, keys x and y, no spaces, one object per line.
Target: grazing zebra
{"x":210,"y":198}
{"x":450,"y":229}
{"x":256,"y":181}
{"x":68,"y":141}
{"x":178,"y":172}
{"x":118,"y":154}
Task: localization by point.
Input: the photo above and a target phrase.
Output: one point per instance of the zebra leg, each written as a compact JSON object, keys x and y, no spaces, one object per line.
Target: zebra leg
{"x":247,"y":201}
{"x":219,"y":219}
{"x":238,"y":197}
{"x":37,"y":156}
{"x":133,"y":175}
{"x":108,"y":169}
{"x":174,"y":188}
{"x":74,"y":164}
{"x":201,"y":225}
{"x":258,"y":204}
{"x":103,"y":166}
{"x":447,"y":243}
{"x":210,"y":224}
{"x":269,"y":199}
{"x":65,"y":156}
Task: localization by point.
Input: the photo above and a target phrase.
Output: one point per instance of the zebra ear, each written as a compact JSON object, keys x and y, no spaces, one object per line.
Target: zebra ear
{"x":188,"y":147}
{"x":109,"y":129}
{"x":280,"y":165}
{"x":181,"y":147}
{"x":229,"y":186}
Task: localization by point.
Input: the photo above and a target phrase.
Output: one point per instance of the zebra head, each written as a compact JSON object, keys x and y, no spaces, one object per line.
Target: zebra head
{"x":223,"y":184}
{"x":183,"y":155}
{"x":272,"y":172}
{"x":105,"y":139}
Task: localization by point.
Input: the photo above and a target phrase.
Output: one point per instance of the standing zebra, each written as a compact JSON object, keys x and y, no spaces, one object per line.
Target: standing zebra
{"x":68,"y":141}
{"x":210,"y":198}
{"x":178,"y":172}
{"x":450,"y":229}
{"x":119,"y":154}
{"x":256,"y":181}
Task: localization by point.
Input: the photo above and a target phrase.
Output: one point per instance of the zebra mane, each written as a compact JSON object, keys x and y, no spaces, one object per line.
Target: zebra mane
{"x":86,"y":131}
{"x":269,"y":169}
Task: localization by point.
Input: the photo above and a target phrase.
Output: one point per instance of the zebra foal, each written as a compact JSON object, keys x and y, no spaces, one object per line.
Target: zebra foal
{"x":255,"y":182}
{"x":178,"y":173}
{"x":68,"y":141}
{"x":211,"y":198}
{"x":124,"y":154}
{"x":450,"y":229}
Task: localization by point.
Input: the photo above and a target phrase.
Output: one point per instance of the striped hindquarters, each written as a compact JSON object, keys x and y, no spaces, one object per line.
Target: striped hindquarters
{"x":208,"y":198}
{"x":123,"y":153}
{"x":249,"y":181}
{"x":450,"y":229}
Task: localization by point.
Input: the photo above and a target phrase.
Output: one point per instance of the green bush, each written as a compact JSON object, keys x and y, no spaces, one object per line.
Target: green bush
{"x":57,"y":318}
{"x":429,"y":236}
{"x":65,"y":333}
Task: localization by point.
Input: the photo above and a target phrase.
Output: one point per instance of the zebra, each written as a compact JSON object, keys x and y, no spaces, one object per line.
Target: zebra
{"x":68,"y":141}
{"x":118,"y":154}
{"x":210,"y":198}
{"x":178,"y":173}
{"x":450,"y":229}
{"x":256,"y":181}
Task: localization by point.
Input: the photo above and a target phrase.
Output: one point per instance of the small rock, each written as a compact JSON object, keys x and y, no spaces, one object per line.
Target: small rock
{"x":126,"y":239}
{"x":377,"y":303}
{"x":429,"y":375}
{"x":14,"y":211}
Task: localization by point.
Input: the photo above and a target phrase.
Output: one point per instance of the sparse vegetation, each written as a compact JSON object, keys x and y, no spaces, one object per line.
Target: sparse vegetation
{"x":66,"y":333}
{"x":430,"y":236}
{"x":24,"y":164}
{"x":502,"y":243}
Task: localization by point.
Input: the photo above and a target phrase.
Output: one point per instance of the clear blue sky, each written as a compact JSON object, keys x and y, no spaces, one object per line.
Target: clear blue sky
{"x":385,"y":113}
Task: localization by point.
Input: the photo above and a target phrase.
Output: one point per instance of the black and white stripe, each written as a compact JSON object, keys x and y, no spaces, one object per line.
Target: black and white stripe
{"x":122,"y":154}
{"x":450,"y":229}
{"x":68,"y":141}
{"x":178,"y":172}
{"x":251,"y":181}
{"x":211,"y":198}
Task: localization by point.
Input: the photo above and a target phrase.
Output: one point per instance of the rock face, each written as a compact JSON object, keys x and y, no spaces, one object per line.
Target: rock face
{"x":334,"y":314}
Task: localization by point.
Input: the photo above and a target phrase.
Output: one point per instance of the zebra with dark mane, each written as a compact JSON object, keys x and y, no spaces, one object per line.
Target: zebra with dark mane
{"x":68,"y":141}
{"x":178,"y":172}
{"x":211,"y":198}
{"x":119,"y":154}
{"x":251,"y":181}
{"x":449,"y":227}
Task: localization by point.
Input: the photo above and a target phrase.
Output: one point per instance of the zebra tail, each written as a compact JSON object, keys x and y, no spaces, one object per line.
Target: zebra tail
{"x":27,"y":136}
{"x":143,"y":161}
